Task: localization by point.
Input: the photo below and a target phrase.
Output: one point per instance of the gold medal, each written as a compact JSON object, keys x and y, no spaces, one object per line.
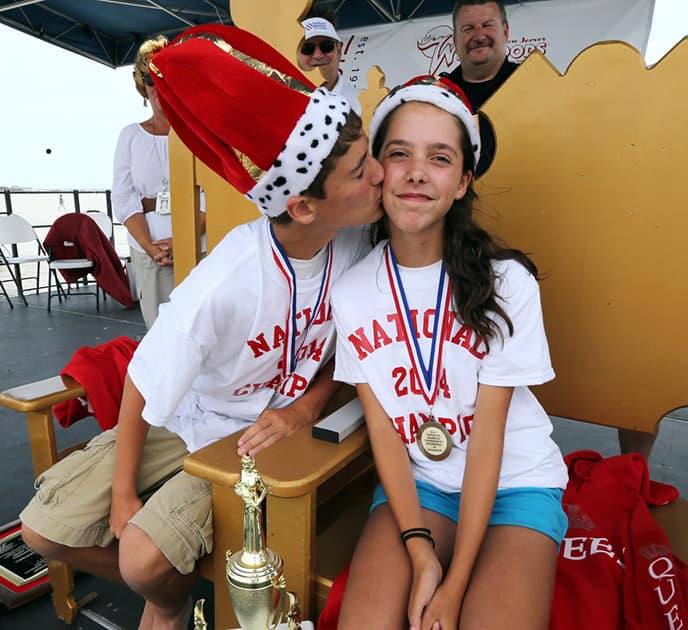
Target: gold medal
{"x":434,"y":440}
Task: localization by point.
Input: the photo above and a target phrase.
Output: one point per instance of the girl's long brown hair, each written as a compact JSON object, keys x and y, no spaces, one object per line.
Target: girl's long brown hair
{"x":469,"y":252}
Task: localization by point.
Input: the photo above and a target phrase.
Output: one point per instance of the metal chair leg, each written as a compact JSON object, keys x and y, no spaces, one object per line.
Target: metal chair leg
{"x":17,"y":284}
{"x":7,"y":297}
{"x":50,"y":286}
{"x":58,"y":287}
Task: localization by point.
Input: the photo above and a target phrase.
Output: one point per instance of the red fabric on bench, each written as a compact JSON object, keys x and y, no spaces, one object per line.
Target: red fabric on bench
{"x":101,"y":370}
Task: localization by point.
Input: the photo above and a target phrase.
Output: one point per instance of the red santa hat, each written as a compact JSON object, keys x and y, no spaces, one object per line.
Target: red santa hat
{"x":247,"y":112}
{"x":442,"y":93}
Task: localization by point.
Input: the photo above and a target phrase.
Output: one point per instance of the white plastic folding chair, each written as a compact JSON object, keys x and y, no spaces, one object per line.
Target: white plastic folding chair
{"x":15,"y":231}
{"x":103,"y":220}
{"x":80,"y":266}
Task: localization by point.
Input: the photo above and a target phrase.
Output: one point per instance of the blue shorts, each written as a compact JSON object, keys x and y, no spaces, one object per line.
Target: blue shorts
{"x":535,"y":508}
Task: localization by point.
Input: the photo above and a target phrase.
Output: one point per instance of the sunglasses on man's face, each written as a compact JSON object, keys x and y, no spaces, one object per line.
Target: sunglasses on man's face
{"x":147,"y":79}
{"x":326,"y":46}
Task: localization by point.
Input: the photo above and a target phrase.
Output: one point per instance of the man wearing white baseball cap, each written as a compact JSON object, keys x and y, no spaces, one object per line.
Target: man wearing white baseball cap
{"x":322,"y":48}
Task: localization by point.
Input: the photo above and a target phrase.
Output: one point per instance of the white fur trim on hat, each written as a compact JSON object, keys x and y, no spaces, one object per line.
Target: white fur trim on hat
{"x":317,"y":26}
{"x":302,"y":157}
{"x":441,"y":97}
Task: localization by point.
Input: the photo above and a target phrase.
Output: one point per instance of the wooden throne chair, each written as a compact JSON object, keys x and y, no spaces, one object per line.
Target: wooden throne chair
{"x":587,"y":179}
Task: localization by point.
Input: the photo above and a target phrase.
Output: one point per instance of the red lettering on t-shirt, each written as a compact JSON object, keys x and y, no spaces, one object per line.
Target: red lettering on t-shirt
{"x":315,"y":350}
{"x":259,"y":345}
{"x":467,"y":424}
{"x":413,"y":427}
{"x":428,"y":321}
{"x":399,"y":373}
{"x":380,"y":337}
{"x":399,"y":426}
{"x":306,"y":315}
{"x":443,"y":385}
{"x":394,"y":318}
{"x":361,"y":343}
{"x":293,"y":385}
{"x":278,"y":337}
{"x":414,"y":319}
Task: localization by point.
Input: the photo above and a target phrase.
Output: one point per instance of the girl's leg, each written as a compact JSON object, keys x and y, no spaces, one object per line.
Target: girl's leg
{"x":512,"y":583}
{"x":377,"y":590}
{"x":379,"y":578}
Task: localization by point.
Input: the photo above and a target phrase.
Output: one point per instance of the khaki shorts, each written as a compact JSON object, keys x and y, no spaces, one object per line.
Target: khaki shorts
{"x":72,"y":502}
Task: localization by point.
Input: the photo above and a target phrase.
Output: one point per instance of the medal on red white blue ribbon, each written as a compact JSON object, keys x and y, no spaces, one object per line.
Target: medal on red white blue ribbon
{"x":291,"y":350}
{"x":433,"y":439}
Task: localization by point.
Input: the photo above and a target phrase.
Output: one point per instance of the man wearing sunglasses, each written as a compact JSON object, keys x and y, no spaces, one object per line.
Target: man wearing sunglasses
{"x":322,"y":48}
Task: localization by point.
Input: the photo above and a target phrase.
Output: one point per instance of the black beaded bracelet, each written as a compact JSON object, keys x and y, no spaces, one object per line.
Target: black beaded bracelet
{"x":417,"y":532}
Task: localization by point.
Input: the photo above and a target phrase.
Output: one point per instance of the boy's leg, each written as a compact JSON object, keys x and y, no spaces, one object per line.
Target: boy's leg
{"x":68,"y":518}
{"x":100,"y":561}
{"x":165,"y":589}
{"x":512,"y":582}
{"x":160,"y":546}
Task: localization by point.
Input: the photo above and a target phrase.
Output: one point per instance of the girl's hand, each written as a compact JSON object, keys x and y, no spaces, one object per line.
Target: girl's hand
{"x":442,"y":613}
{"x":427,"y":576}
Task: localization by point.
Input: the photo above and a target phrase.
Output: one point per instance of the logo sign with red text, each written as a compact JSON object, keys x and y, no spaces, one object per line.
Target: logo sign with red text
{"x":559,"y":29}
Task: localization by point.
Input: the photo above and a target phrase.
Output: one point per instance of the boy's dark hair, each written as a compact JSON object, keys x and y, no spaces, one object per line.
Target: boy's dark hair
{"x":469,"y":251}
{"x":467,"y":3}
{"x":348,"y":134}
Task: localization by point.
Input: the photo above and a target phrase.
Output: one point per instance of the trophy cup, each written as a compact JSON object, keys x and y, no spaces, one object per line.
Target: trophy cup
{"x":254,"y":574}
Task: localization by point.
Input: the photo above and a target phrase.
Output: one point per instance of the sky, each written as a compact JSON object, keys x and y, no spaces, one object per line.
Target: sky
{"x":60,"y":113}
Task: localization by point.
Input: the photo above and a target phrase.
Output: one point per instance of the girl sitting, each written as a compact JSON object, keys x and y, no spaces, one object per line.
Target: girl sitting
{"x":465,"y":526}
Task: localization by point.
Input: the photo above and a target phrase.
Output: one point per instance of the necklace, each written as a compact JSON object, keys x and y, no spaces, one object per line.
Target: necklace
{"x":433,"y":439}
{"x":291,"y":350}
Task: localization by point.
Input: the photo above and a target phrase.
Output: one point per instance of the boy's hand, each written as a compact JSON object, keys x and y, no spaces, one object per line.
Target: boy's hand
{"x":123,"y":508}
{"x":272,"y":425}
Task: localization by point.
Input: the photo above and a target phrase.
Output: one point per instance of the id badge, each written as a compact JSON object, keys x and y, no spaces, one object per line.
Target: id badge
{"x":162,"y":200}
{"x":162,"y":203}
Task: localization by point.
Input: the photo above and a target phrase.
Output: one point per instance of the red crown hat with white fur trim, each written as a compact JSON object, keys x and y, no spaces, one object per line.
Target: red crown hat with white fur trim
{"x":247,"y":112}
{"x":440,"y":92}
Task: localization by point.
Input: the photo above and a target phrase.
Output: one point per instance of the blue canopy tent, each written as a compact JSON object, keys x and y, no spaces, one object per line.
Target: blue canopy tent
{"x":110,"y":31}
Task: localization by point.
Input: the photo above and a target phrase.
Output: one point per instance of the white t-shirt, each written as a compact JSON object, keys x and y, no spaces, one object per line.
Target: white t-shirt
{"x":371,"y":349}
{"x":210,"y":363}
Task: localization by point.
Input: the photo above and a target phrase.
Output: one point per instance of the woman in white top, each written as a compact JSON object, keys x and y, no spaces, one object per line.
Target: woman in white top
{"x":141,"y":192}
{"x":441,"y":330}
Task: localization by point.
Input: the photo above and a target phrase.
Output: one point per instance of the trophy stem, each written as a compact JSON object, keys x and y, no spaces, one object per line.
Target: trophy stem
{"x":251,"y":489}
{"x":253,"y":554}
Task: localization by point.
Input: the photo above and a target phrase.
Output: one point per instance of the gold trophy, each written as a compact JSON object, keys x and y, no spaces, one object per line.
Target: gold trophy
{"x":254,"y":574}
